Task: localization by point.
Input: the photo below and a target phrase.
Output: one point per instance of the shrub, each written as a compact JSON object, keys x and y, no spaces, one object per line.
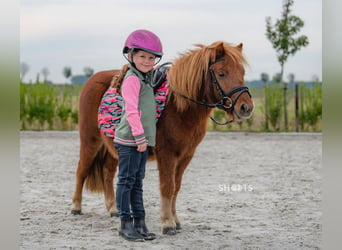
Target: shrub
{"x":274,"y":100}
{"x":310,"y":106}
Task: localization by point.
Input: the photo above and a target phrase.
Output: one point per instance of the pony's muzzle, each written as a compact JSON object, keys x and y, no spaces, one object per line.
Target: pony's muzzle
{"x":245,"y":110}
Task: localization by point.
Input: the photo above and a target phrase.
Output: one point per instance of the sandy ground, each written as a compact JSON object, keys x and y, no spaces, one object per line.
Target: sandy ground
{"x":241,"y":191}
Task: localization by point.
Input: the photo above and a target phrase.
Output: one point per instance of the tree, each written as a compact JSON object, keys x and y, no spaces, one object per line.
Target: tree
{"x":281,"y":35}
{"x":291,"y":77}
{"x":315,"y":78}
{"x":88,"y":72}
{"x":264,"y":78}
{"x":276,"y":78}
{"x":24,"y":68}
{"x":67,"y":72}
{"x":45,"y":72}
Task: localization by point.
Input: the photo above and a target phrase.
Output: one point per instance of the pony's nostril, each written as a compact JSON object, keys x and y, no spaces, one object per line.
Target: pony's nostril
{"x":244,"y":108}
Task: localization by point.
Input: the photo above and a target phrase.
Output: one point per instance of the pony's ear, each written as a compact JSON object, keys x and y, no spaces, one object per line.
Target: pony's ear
{"x":218,"y":51}
{"x":239,"y":47}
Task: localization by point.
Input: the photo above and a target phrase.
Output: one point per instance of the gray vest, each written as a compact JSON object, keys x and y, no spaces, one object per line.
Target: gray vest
{"x":146,"y":106}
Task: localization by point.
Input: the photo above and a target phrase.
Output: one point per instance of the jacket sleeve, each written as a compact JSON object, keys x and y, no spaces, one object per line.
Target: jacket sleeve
{"x":130,"y":93}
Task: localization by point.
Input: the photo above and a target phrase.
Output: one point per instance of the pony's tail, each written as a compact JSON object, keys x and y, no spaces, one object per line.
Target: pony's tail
{"x":94,"y":182}
{"x":118,"y":79}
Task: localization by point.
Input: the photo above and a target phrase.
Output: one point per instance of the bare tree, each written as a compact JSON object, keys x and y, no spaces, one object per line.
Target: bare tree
{"x":24,"y":68}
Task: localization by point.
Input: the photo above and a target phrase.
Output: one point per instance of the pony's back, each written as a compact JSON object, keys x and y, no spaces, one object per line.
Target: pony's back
{"x":90,"y":99}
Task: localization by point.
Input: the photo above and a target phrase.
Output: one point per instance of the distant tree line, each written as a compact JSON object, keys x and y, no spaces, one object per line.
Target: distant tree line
{"x":66,"y":71}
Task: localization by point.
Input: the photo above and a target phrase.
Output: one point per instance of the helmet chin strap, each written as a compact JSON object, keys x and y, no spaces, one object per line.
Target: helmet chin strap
{"x":128,"y":60}
{"x":133,"y":64}
{"x":157,"y":61}
{"x":126,"y":56}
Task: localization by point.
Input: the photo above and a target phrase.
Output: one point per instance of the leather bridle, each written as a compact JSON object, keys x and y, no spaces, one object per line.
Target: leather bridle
{"x":224,"y":97}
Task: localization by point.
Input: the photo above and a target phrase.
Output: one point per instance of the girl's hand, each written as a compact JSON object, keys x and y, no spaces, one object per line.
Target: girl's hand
{"x":142,"y":147}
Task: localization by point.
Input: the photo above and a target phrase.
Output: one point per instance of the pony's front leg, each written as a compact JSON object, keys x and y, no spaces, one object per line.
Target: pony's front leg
{"x":178,"y":182}
{"x":166,"y":216}
{"x":167,"y":190}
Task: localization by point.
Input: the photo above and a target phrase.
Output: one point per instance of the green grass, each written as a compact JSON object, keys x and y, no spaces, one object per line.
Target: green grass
{"x":55,"y":107}
{"x":49,"y":107}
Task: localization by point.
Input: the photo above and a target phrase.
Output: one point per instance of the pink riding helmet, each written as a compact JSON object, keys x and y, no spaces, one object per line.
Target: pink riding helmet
{"x":144,"y":40}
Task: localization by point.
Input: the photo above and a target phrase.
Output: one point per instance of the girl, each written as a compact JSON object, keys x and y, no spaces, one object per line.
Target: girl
{"x":136,"y":131}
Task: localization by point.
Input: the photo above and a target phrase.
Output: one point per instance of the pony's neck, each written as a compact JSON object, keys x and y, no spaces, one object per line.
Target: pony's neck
{"x":193,"y":115}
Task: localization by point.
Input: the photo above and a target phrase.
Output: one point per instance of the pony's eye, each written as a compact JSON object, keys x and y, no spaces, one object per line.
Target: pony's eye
{"x":222,"y":74}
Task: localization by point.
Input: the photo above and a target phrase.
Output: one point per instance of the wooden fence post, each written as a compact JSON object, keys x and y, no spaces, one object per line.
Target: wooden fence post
{"x":296,"y":107}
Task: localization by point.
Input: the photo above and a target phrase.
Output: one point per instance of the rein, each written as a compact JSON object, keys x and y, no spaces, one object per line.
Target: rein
{"x":225,"y":97}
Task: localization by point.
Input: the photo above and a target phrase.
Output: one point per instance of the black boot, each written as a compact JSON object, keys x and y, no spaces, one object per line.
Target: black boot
{"x":140,"y":226}
{"x":128,"y":231}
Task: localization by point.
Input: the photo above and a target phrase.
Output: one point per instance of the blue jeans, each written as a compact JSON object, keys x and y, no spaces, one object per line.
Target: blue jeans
{"x":129,"y":190}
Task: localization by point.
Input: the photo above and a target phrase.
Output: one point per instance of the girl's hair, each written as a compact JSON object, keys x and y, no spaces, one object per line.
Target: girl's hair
{"x":118,"y":79}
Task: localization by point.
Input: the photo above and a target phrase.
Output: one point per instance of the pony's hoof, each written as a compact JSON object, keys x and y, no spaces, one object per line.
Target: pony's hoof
{"x":178,"y":226}
{"x":76,"y":212}
{"x":114,"y":214}
{"x":169,"y":231}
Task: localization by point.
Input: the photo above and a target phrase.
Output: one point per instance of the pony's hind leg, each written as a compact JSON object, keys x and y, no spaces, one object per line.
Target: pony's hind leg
{"x":88,"y":151}
{"x":109,"y":170}
{"x":76,"y":206}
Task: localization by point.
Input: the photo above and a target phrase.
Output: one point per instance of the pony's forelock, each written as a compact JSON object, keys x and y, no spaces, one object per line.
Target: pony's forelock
{"x":191,"y":69}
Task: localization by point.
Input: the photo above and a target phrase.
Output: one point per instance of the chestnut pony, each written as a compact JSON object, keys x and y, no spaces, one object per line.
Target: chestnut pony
{"x":201,"y":79}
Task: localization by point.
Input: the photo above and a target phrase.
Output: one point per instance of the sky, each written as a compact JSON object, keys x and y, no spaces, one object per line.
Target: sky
{"x":91,"y":33}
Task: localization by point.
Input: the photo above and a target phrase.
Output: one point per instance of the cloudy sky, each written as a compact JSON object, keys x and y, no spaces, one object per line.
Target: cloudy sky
{"x":91,"y":33}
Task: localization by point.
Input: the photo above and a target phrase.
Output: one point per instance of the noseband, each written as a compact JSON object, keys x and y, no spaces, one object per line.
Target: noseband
{"x":224,"y":97}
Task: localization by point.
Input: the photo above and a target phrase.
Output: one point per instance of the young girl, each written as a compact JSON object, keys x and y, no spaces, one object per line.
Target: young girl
{"x":136,"y":131}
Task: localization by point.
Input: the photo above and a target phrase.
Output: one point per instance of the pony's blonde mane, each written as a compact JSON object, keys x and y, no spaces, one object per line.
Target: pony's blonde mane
{"x":191,"y":69}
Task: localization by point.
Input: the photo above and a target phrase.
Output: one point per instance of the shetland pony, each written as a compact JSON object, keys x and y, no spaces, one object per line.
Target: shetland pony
{"x":200,"y":79}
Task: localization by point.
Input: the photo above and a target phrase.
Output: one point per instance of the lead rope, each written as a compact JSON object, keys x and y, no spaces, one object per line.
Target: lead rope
{"x":219,"y":123}
{"x":216,"y":105}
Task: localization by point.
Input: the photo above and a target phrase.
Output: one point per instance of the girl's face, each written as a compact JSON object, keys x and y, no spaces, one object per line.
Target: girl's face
{"x":144,"y":61}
